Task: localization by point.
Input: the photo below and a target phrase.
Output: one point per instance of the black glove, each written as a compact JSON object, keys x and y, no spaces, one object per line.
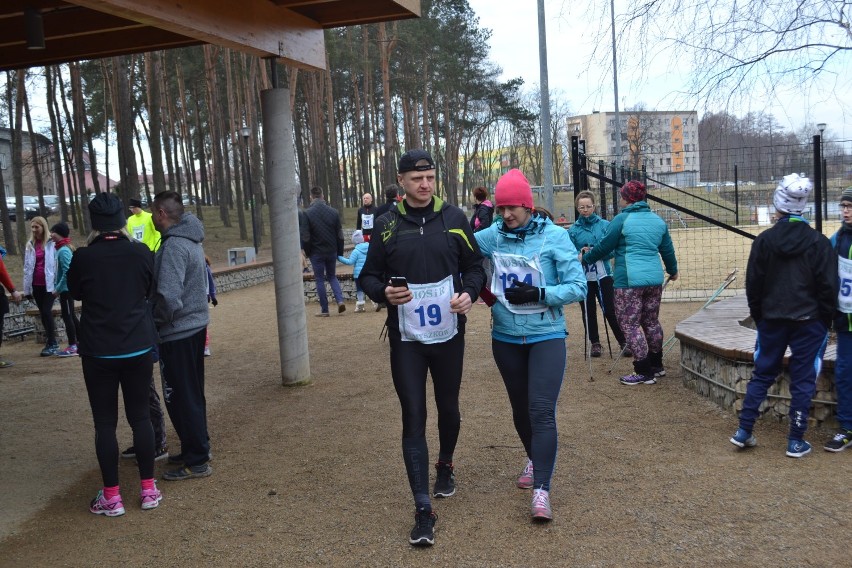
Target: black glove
{"x":214,"y":301}
{"x":521,"y":293}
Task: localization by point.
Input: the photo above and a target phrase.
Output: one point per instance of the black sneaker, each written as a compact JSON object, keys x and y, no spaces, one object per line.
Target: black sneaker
{"x":445,"y":480}
{"x":423,"y":533}
{"x":159,"y":454}
{"x":177,"y":459}
{"x":189,"y":472}
{"x":840,"y":441}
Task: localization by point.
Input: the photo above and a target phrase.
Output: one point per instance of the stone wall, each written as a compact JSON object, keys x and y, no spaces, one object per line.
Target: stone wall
{"x":719,"y":369}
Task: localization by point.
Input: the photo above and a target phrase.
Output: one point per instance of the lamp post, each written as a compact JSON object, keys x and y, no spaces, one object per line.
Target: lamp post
{"x":821,"y":127}
{"x":245,"y":132}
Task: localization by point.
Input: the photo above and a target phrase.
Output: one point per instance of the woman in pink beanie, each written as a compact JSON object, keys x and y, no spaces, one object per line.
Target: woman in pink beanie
{"x":536,"y":272}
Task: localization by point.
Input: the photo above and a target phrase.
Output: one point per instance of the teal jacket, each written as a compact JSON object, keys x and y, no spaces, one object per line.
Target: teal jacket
{"x":589,"y":231}
{"x":63,"y":261}
{"x":638,"y":237}
{"x":565,"y":282}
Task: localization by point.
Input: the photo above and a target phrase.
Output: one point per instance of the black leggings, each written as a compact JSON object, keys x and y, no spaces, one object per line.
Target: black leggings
{"x":44,"y":302}
{"x":410,"y":361}
{"x":72,"y":324}
{"x":604,"y":296}
{"x":103,"y":378}
{"x":532,"y":373}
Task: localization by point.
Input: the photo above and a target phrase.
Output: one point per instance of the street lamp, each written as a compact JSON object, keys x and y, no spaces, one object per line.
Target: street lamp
{"x":821,"y":127}
{"x":245,"y":132}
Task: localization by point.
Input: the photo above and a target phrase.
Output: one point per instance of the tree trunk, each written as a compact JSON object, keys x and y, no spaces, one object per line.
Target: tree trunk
{"x":54,"y":136}
{"x":18,"y":155}
{"x":124,"y":118}
{"x":237,"y":147}
{"x":35,"y":158}
{"x":153,"y":72}
{"x":77,"y":146}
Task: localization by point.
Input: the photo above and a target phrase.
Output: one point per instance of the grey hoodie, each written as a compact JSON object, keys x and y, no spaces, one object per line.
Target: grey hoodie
{"x":180,"y":303}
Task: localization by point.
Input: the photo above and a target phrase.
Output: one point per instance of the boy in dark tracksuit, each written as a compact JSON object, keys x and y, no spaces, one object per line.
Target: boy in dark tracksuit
{"x":791,"y":286}
{"x":842,"y":241}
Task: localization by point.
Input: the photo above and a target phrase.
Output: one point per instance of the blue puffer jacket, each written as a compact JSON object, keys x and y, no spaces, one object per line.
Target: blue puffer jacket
{"x":357,"y":257}
{"x":589,"y":231}
{"x":638,"y":237}
{"x":565,"y":282}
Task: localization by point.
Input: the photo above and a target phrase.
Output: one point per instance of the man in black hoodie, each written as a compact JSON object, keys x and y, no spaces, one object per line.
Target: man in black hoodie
{"x":322,"y":241}
{"x":791,"y":287}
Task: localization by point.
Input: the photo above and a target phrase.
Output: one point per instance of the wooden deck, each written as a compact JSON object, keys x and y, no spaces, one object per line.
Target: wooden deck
{"x":719,"y":329}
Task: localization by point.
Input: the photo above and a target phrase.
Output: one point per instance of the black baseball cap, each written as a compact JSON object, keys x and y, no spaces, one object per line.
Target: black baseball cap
{"x":135,"y":203}
{"x":409,"y":162}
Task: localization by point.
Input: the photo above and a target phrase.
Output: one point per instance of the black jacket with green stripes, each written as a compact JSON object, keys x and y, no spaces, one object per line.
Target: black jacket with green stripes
{"x":423,"y":245}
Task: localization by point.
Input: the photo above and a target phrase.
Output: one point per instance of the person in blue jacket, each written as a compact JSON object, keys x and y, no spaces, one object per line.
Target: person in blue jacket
{"x":536,"y":272}
{"x":842,"y":243}
{"x":357,"y":258}
{"x":586,"y":232}
{"x":638,"y":237}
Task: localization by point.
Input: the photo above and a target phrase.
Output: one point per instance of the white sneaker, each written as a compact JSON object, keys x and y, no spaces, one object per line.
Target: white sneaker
{"x":359,"y":308}
{"x":207,"y":352}
{"x":541,"y":510}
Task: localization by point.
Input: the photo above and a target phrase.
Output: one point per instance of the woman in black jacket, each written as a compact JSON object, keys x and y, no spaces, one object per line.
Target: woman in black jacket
{"x":114,"y":277}
{"x":483,"y":210}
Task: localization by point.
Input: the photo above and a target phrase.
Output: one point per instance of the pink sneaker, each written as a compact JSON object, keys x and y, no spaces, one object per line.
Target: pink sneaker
{"x":525,"y":480}
{"x":70,"y":351}
{"x":109,"y":507}
{"x":151,"y":498}
{"x":541,"y":510}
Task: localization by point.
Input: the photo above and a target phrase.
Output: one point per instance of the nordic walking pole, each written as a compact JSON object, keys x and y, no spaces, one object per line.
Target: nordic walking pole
{"x":603,"y":313}
{"x":669,"y":344}
{"x":621,"y":354}
{"x":587,"y":341}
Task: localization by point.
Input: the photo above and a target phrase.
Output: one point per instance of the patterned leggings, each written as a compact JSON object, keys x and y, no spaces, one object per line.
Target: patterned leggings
{"x":638,"y":311}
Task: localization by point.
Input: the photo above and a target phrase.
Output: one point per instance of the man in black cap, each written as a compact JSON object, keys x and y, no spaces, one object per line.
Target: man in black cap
{"x":424,"y":262}
{"x":141,"y":227}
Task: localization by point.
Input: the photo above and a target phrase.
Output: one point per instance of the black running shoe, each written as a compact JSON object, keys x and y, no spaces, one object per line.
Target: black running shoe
{"x":423,"y":533}
{"x":445,"y":480}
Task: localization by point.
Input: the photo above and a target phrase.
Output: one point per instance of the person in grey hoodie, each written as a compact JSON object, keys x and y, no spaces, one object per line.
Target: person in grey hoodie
{"x":181,"y":317}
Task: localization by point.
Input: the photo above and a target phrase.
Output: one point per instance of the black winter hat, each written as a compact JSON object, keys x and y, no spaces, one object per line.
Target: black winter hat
{"x":61,"y":229}
{"x":107,"y":212}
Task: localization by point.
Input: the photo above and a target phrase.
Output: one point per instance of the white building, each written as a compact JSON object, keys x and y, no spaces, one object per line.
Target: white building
{"x":665,"y":142}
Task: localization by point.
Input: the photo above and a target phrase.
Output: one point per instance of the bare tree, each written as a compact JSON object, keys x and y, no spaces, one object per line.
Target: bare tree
{"x":736,"y":48}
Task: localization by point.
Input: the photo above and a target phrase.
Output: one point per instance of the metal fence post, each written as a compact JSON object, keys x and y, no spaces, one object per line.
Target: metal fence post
{"x":817,"y":183}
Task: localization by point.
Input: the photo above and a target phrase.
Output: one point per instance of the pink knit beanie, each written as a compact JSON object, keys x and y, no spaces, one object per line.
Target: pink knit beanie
{"x":513,"y":190}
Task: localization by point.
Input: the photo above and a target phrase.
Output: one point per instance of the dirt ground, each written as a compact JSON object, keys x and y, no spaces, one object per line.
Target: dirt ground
{"x":313,"y":476}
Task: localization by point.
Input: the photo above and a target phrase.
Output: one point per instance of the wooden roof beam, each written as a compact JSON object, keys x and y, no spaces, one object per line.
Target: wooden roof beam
{"x":252,"y":26}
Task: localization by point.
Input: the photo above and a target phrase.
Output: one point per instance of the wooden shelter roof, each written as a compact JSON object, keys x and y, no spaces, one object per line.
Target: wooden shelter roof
{"x":290,"y":30}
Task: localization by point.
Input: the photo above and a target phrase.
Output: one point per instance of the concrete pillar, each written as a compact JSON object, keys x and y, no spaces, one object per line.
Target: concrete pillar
{"x":282,"y":189}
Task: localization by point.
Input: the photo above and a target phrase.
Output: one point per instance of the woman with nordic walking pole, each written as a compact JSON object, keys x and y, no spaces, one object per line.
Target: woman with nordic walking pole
{"x":586,"y":232}
{"x":536,"y":272}
{"x":638,"y":237}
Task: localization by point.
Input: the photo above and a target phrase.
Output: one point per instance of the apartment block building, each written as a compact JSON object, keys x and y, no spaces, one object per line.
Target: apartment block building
{"x":664,"y":142}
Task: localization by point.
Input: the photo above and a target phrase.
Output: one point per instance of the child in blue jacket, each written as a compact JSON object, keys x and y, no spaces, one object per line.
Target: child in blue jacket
{"x":357,"y":258}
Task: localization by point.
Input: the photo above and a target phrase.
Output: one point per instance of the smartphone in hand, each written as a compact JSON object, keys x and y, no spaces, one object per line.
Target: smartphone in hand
{"x":399,"y":282}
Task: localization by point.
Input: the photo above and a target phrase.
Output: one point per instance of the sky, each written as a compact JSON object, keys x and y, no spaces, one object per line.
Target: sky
{"x":514,"y":45}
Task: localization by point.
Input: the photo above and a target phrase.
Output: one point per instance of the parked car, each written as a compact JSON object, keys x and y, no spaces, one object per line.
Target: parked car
{"x":51,"y":202}
{"x":30,"y":208}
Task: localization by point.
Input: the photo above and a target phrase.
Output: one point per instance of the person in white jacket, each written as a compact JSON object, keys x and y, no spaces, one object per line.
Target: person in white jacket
{"x":39,"y":279}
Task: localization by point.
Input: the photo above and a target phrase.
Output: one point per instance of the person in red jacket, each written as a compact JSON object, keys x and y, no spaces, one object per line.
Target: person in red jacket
{"x":6,"y":281}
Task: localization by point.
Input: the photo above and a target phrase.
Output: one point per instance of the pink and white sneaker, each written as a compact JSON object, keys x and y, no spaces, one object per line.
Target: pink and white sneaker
{"x":70,"y":351}
{"x":151,"y":498}
{"x":541,"y":510}
{"x":109,"y":507}
{"x":525,"y":480}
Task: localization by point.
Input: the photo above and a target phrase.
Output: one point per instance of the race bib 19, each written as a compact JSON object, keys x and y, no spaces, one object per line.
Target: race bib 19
{"x":427,"y":317}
